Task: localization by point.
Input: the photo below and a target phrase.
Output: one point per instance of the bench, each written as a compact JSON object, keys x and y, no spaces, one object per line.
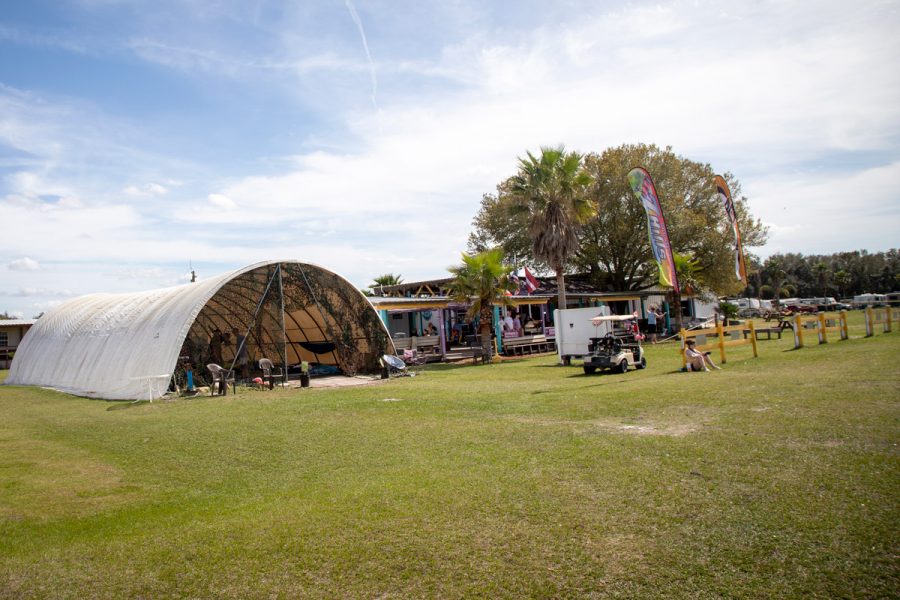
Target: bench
{"x":428,"y":345}
{"x":527,"y":344}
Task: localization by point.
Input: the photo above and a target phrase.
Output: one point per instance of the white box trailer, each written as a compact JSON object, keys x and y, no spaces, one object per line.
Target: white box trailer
{"x":574,"y":330}
{"x":700,"y":310}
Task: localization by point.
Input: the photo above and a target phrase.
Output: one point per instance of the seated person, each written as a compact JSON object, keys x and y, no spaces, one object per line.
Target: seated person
{"x":696,"y":360}
{"x":430,"y":329}
{"x":508,"y":325}
{"x":517,"y":326}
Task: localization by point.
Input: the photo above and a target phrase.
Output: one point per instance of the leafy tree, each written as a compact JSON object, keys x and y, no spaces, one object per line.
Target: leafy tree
{"x":694,"y":215}
{"x":842,"y":279}
{"x":550,"y":191}
{"x":494,"y":227}
{"x":843,"y":273}
{"x":482,"y":280}
{"x":613,"y":245}
{"x":5,"y":316}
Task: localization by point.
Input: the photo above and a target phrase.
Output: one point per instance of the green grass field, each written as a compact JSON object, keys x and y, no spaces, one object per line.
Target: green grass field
{"x":776,"y":477}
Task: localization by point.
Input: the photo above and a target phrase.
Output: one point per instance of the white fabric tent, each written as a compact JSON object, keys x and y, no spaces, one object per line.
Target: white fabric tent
{"x":127,"y":346}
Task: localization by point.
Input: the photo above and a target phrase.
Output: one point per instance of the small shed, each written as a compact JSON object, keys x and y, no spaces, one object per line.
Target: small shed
{"x":11,"y":333}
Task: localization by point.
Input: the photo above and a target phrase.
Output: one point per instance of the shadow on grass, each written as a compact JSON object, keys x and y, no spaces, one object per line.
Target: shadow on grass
{"x":124,"y":404}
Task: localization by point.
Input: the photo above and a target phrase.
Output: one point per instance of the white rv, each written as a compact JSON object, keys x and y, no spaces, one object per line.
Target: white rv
{"x":864,"y":300}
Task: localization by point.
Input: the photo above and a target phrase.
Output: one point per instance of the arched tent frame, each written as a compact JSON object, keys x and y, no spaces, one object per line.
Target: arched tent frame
{"x":112,"y":345}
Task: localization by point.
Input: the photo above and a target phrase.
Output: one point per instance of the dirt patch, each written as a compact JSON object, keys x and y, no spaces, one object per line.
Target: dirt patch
{"x":674,"y":429}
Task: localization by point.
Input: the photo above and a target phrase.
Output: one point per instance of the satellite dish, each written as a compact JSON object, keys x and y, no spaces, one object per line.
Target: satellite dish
{"x":394,"y":362}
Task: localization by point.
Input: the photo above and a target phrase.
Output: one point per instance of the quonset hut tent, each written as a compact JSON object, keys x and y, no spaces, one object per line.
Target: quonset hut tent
{"x":128,"y":346}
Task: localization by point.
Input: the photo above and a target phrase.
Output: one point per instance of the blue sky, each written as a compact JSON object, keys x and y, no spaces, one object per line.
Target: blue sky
{"x":136,"y":137}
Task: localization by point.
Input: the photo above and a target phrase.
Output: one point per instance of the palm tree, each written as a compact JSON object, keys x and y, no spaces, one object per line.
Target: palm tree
{"x":482,"y":280}
{"x":552,"y":192}
{"x":821,"y":271}
{"x":384,"y":280}
{"x":777,"y":277}
{"x":687,"y":270}
{"x":843,"y":279}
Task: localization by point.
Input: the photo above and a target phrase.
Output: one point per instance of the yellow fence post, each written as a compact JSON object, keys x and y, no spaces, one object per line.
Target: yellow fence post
{"x":683,"y":340}
{"x":721,"y":335}
{"x":753,"y":338}
{"x":888,"y":324}
{"x":798,"y":331}
{"x":845,"y":332}
{"x":870,"y":321}
{"x":823,"y":329}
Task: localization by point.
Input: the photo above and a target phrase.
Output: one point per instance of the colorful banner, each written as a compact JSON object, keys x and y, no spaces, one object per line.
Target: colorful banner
{"x":645,"y":191}
{"x":724,"y":193}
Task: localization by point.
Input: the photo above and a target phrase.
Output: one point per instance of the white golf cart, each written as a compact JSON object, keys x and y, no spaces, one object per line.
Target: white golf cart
{"x":619,"y":349}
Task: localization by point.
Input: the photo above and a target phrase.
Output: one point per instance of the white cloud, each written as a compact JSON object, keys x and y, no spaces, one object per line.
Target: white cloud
{"x":142,"y":273}
{"x":24,"y":264}
{"x":778,"y":93}
{"x":221,"y":201}
{"x":27,"y":292}
{"x":47,"y":305}
{"x":800,"y":209}
{"x":148,"y":189}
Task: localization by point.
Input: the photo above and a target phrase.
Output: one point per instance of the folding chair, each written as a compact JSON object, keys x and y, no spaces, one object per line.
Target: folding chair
{"x":270,"y":373}
{"x":220,"y":376}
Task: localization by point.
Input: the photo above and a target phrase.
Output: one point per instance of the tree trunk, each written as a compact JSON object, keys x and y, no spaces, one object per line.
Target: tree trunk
{"x":485,"y":328}
{"x":561,"y":289}
{"x":676,"y":305}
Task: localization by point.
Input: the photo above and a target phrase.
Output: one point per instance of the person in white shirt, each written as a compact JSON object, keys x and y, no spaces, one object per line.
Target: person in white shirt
{"x":508,"y":324}
{"x":696,"y":360}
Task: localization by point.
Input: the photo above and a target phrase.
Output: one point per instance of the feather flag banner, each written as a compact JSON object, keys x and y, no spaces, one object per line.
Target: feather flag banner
{"x":645,"y":191}
{"x":740,"y":269}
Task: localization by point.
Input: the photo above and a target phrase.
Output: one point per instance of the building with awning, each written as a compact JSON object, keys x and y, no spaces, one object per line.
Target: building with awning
{"x":407,"y":308}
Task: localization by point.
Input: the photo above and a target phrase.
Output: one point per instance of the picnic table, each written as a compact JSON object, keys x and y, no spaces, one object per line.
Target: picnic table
{"x":767,"y":330}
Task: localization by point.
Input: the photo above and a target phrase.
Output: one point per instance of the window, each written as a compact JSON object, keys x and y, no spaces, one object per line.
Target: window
{"x":4,"y":339}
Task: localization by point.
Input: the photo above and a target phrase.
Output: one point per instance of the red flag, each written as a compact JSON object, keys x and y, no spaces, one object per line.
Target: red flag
{"x":531,"y":283}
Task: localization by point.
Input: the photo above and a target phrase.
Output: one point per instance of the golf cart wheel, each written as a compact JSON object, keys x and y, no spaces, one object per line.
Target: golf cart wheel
{"x":642,"y":364}
{"x":589,"y":370}
{"x":623,"y":366}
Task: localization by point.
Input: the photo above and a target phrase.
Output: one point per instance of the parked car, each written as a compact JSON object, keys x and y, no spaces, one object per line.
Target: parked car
{"x":801,"y":308}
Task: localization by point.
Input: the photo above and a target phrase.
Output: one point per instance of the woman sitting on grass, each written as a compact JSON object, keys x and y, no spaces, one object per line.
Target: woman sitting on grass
{"x":696,"y":360}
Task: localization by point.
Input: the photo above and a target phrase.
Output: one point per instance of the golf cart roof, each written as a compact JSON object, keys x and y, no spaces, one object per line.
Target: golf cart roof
{"x":611,"y":318}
